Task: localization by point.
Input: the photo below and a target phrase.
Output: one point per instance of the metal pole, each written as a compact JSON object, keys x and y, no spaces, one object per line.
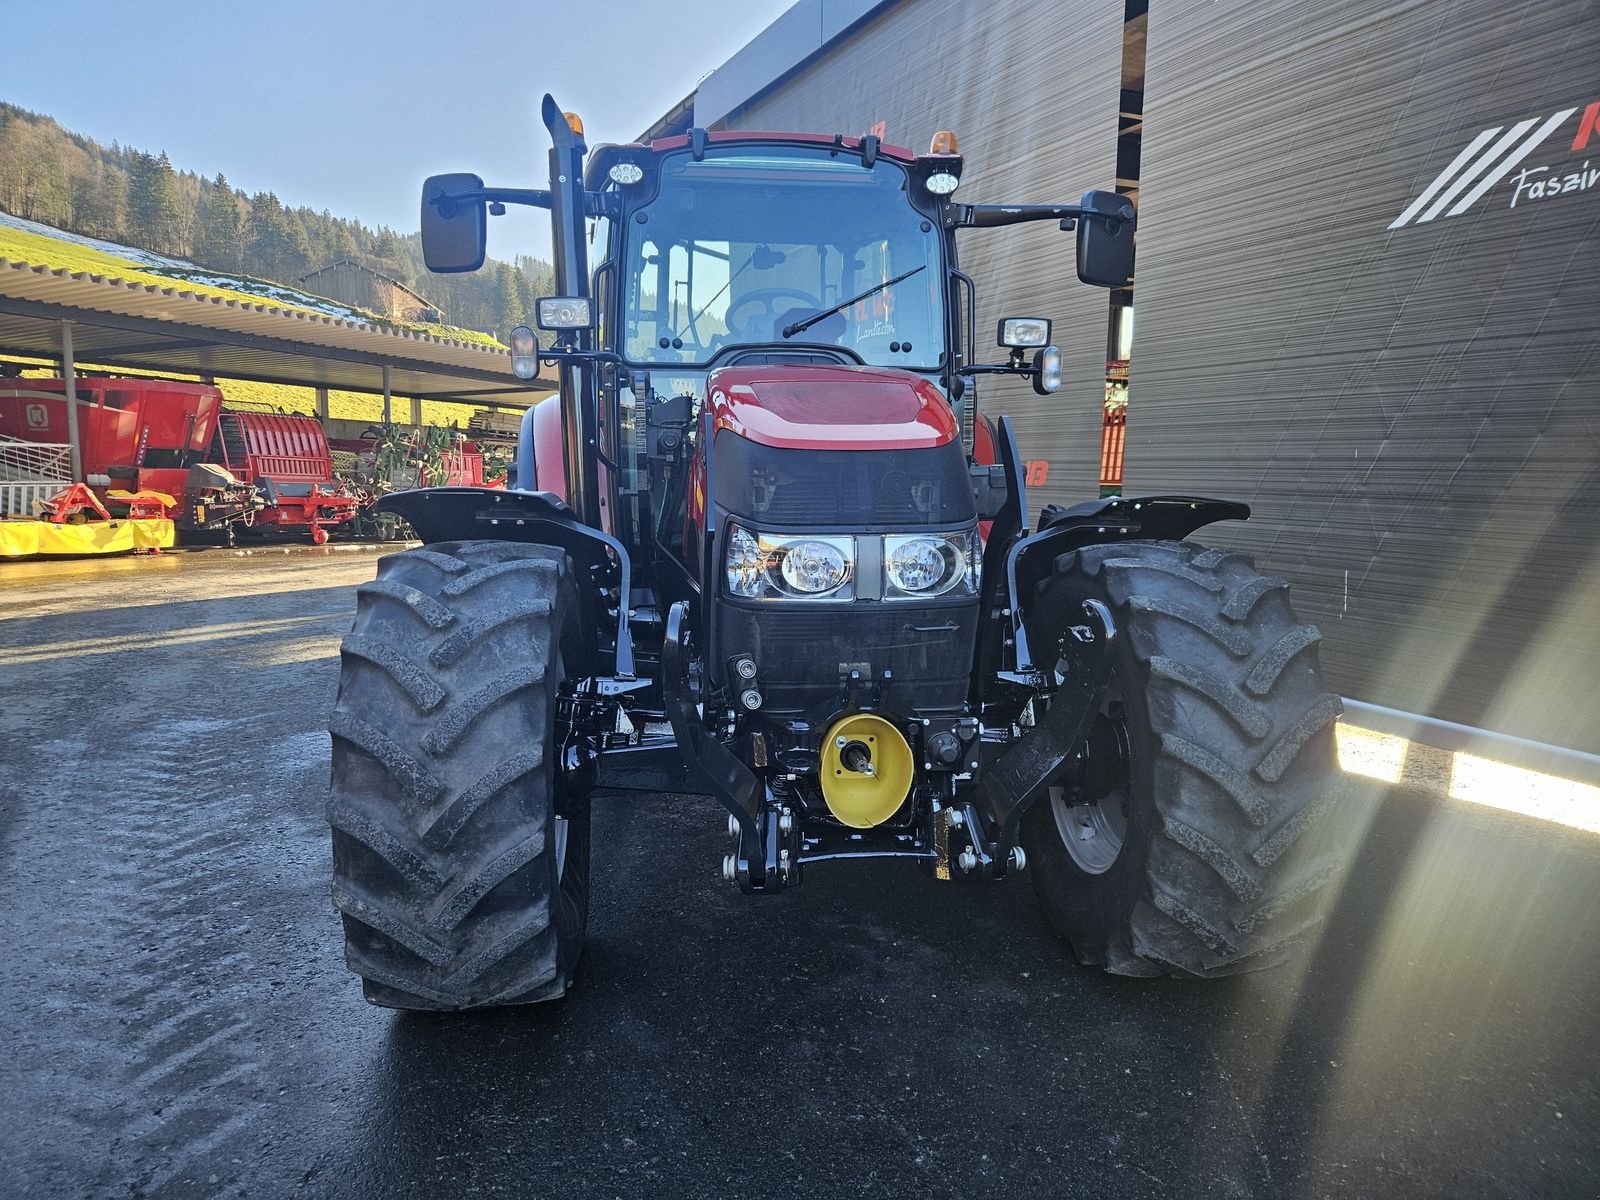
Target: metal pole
{"x":388,"y":417}
{"x":321,"y":403}
{"x":69,"y":372}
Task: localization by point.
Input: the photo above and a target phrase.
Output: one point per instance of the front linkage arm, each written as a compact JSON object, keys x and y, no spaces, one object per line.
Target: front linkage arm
{"x":1009,"y":785}
{"x":759,"y":864}
{"x":1075,"y":674}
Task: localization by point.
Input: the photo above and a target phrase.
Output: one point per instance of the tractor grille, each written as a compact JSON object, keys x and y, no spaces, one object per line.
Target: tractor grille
{"x":882,"y":489}
{"x":803,"y":655}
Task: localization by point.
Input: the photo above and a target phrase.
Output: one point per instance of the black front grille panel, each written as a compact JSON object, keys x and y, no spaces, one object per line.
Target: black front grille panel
{"x":804,"y":653}
{"x":886,"y":489}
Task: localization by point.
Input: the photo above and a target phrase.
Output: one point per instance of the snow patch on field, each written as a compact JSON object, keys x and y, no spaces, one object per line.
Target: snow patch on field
{"x":182,"y":271}
{"x":274,"y":293}
{"x":144,"y":258}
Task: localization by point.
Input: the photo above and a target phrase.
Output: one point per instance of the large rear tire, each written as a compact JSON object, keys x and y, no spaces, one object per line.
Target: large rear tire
{"x":1206,"y":853}
{"x":461,"y":873}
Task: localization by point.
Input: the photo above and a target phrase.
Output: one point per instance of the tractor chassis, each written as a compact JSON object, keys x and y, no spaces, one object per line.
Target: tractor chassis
{"x":977,"y":833}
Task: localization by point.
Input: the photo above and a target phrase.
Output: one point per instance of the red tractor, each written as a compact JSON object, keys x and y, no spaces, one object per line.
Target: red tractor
{"x":224,"y":469}
{"x":757,"y":519}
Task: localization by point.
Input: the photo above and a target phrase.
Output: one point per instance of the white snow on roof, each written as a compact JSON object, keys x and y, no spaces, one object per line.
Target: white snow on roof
{"x":180,"y":270}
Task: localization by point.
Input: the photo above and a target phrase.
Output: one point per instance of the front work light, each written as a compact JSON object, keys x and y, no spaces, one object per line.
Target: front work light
{"x":942,"y":183}
{"x":1047,"y":370}
{"x":565,"y":312}
{"x":1023,"y":332}
{"x":524,"y":352}
{"x":625,"y":173}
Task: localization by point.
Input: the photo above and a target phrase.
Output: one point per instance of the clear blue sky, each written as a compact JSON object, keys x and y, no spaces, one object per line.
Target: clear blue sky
{"x":348,"y":106}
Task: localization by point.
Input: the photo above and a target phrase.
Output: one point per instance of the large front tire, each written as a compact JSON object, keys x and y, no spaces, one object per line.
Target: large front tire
{"x":461,"y":875}
{"x":1205,"y":853}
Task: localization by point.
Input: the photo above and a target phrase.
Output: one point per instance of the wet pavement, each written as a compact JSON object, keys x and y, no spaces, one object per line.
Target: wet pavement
{"x":177,"y":1020}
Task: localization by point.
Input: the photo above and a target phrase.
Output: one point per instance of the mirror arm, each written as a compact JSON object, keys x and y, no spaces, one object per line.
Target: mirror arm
{"x":1015,"y":367}
{"x":533,"y":197}
{"x":557,"y":354}
{"x":989,"y":216}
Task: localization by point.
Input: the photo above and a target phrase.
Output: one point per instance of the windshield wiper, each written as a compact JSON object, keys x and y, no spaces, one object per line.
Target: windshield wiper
{"x":801,"y":326}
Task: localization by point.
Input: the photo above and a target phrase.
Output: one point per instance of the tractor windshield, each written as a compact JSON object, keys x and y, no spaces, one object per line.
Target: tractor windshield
{"x":749,"y":242}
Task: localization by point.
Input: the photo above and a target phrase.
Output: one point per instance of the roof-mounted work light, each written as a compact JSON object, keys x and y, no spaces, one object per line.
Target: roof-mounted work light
{"x":940,"y":168}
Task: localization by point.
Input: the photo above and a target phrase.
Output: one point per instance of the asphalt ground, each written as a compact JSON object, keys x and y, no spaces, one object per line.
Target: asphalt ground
{"x":177,"y":1019}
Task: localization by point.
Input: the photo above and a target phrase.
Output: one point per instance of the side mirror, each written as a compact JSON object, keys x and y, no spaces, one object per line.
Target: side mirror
{"x":455,"y":224}
{"x":1105,"y":239}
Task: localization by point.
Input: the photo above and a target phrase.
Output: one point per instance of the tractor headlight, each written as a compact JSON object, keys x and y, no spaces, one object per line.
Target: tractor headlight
{"x":918,"y":566}
{"x":795,"y":567}
{"x":813,"y":568}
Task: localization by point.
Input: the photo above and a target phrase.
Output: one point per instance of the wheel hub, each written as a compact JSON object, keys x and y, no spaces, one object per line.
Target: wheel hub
{"x":1091,"y":813}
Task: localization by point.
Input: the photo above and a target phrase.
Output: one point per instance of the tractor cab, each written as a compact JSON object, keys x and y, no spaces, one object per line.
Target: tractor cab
{"x":763,"y":251}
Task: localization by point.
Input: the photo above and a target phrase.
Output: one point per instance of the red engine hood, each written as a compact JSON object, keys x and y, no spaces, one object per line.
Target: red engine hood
{"x":797,"y":407}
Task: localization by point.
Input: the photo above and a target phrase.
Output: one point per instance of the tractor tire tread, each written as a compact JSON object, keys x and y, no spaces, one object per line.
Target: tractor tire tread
{"x":1264,"y":675}
{"x":447,"y":563}
{"x":441,"y":805}
{"x":418,"y":684}
{"x":432,"y":613}
{"x":1238,"y":769}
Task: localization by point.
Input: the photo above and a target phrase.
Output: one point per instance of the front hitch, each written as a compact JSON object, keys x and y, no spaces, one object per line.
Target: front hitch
{"x":763,"y":860}
{"x":1019,"y":776}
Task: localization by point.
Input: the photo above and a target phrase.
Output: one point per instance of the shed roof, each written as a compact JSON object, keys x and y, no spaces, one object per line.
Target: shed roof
{"x":124,"y":324}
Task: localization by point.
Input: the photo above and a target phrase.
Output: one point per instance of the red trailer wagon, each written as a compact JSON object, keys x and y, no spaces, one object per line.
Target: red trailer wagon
{"x":157,"y":435}
{"x":286,"y":456}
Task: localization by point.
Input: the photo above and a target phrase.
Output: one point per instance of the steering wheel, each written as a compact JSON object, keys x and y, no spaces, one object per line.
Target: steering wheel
{"x":738,"y":329}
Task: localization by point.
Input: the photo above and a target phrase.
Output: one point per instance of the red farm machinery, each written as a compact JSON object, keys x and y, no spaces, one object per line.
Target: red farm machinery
{"x":767,"y":516}
{"x":223,"y":470}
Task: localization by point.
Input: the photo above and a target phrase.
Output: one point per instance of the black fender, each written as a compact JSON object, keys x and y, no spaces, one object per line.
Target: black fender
{"x":446,"y":514}
{"x":1030,"y":559}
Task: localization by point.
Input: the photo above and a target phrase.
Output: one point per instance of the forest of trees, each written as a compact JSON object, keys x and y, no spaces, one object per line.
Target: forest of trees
{"x":72,"y":182}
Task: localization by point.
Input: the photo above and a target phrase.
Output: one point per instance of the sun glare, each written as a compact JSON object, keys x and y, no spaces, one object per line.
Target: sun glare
{"x":1470,"y":779}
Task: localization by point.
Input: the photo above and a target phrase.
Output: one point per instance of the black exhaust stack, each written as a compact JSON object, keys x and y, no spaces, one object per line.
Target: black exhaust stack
{"x":579,"y":419}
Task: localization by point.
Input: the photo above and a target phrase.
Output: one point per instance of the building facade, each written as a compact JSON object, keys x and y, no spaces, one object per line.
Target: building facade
{"x":1367,"y":292}
{"x":353,"y":283}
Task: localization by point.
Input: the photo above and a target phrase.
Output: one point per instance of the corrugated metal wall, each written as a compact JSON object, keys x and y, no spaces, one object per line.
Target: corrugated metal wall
{"x":1414,"y":412}
{"x":1032,"y":92}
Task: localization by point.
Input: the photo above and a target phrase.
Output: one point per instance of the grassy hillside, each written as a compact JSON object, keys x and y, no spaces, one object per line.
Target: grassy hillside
{"x":66,"y":181}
